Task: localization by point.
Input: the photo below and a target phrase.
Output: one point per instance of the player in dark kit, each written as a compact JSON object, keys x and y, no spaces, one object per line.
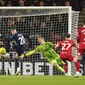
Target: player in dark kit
{"x":17,"y":42}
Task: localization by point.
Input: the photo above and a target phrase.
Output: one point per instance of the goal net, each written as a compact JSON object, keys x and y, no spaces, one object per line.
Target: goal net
{"x":50,"y":22}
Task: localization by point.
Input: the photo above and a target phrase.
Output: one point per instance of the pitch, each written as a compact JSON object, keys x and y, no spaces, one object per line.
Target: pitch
{"x":41,"y":80}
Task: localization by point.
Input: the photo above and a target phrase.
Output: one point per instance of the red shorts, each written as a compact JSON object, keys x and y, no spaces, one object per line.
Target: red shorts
{"x":81,"y":49}
{"x":66,"y":56}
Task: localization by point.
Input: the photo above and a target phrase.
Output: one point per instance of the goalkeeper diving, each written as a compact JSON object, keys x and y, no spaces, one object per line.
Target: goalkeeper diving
{"x":47,"y":49}
{"x":3,"y":53}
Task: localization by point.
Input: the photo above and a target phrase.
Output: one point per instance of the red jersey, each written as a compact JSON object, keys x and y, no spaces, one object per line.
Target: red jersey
{"x":67,"y":46}
{"x":81,"y":35}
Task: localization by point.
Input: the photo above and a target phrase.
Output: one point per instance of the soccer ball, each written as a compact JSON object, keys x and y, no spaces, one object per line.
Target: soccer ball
{"x":2,"y":50}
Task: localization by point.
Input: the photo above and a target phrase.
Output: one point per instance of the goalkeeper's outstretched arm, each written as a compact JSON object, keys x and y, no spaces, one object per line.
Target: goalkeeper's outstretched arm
{"x":30,"y":53}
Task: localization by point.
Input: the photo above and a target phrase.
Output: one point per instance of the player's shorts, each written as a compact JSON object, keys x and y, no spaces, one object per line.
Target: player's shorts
{"x":81,"y":49}
{"x":20,"y":50}
{"x":66,"y":56}
{"x":53,"y":57}
{"x":56,"y":60}
{"x":21,"y":56}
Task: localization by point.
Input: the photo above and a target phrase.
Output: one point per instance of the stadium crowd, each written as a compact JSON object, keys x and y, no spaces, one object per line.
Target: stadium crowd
{"x":46,"y":23}
{"x":76,"y":4}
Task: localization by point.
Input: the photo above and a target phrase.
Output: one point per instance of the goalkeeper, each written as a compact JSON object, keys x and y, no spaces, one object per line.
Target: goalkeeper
{"x":3,"y":53}
{"x":47,"y":49}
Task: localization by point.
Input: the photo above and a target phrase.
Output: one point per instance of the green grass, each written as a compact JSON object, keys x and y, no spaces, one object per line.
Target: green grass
{"x":41,"y":80}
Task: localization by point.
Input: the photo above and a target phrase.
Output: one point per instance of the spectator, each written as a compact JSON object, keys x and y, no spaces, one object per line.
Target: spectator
{"x":41,"y":3}
{"x":2,"y":2}
{"x":67,"y":3}
{"x":9,"y":3}
{"x":54,"y":4}
{"x":21,"y":3}
{"x":49,"y":2}
{"x":35,"y":3}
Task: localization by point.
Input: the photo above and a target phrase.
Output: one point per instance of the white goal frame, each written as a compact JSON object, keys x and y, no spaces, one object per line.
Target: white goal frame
{"x":69,"y":8}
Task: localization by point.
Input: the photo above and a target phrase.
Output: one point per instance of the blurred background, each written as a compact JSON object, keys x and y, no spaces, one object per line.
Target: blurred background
{"x":76,"y":4}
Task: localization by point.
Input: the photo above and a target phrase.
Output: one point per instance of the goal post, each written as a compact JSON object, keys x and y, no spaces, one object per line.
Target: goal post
{"x":74,"y":27}
{"x":50,"y":22}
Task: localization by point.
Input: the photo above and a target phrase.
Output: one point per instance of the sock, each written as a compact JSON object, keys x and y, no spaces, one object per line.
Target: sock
{"x":18,"y":69}
{"x":60,"y":68}
{"x":66,"y":68}
{"x":16,"y":63}
{"x":78,"y":66}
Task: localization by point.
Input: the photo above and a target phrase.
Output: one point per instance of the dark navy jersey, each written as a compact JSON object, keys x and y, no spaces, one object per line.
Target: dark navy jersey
{"x":17,"y":40}
{"x":18,"y":43}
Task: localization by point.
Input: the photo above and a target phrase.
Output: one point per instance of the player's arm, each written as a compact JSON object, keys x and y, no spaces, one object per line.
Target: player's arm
{"x":52,"y":45}
{"x":33,"y":51}
{"x":58,"y":45}
{"x":30,"y":53}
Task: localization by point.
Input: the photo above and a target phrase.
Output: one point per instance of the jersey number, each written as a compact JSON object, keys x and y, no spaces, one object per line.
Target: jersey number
{"x":22,"y":40}
{"x":66,"y":46}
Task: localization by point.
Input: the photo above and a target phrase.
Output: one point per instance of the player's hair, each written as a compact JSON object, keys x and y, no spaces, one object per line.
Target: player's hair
{"x":40,"y":37}
{"x":67,"y":35}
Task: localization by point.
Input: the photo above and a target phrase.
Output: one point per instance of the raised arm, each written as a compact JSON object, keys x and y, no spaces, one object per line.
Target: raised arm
{"x":57,"y":45}
{"x":30,"y":53}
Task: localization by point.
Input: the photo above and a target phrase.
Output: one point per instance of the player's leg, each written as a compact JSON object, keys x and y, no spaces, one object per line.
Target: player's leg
{"x":67,"y":57}
{"x":71,"y":58}
{"x":54,"y":59}
{"x":64,"y":58}
{"x":55,"y":63}
{"x":77,"y":62}
{"x":20,"y":55}
{"x":79,"y":57}
{"x":65,"y":66}
{"x":57,"y":57}
{"x":17,"y":65}
{"x":81,"y":50}
{"x":77,"y":69}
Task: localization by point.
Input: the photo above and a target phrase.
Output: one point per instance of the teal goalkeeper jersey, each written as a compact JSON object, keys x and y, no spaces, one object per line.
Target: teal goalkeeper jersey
{"x":47,"y":50}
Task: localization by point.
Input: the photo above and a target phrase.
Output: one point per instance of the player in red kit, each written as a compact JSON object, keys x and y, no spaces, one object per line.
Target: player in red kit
{"x":66,"y":51}
{"x":81,"y":43}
